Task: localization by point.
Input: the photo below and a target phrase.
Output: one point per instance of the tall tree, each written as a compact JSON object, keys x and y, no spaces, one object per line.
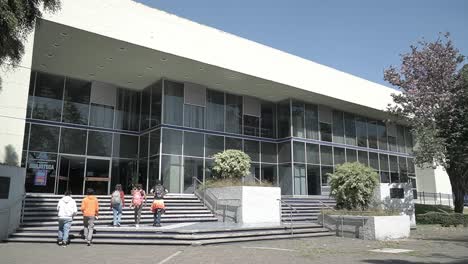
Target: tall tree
{"x":17,"y":19}
{"x":434,"y":100}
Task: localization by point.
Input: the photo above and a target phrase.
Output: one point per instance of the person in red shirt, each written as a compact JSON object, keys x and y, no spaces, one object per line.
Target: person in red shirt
{"x":117,"y":204}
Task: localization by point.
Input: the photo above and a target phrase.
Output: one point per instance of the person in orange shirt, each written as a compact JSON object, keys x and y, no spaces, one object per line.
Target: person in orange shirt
{"x":90,"y":210}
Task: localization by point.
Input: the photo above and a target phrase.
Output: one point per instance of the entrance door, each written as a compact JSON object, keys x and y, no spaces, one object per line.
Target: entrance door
{"x":97,"y":175}
{"x":71,"y":174}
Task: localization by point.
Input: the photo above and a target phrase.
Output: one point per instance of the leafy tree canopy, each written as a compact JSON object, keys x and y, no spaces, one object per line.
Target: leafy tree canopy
{"x":17,"y":19}
{"x":353,"y":185}
{"x":434,"y":100}
{"x":231,"y":164}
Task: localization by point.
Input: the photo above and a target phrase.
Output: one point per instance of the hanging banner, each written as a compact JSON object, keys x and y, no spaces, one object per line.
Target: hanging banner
{"x":40,"y":178}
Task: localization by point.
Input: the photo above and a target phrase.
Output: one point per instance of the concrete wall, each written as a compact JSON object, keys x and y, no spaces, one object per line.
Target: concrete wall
{"x":13,"y":101}
{"x":10,"y":209}
{"x":404,"y":205}
{"x":247,"y":204}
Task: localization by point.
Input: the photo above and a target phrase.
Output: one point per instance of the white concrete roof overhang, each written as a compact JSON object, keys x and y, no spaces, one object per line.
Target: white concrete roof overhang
{"x":116,"y":49}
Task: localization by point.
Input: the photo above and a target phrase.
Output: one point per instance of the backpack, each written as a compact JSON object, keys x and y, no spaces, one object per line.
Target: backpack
{"x":159,"y":192}
{"x":137,"y":198}
{"x":116,"y":198}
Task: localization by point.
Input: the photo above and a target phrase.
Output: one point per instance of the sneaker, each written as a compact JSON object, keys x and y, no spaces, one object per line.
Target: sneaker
{"x":89,"y":243}
{"x":137,"y":225}
{"x":60,"y":243}
{"x":118,"y":225}
{"x":64,"y":244}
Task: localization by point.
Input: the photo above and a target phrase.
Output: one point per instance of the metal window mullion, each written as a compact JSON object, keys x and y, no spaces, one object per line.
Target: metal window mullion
{"x":57,"y":162}
{"x":34,"y":94}
{"x":63,"y":98}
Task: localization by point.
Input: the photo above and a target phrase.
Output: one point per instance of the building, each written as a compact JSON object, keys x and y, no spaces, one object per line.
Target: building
{"x":106,"y":95}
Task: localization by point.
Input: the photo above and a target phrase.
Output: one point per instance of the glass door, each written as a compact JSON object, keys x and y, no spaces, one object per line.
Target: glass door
{"x":98,"y":173}
{"x":71,"y":174}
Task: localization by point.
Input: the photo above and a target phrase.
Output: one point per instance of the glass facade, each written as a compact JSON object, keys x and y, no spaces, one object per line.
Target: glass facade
{"x":75,"y":139}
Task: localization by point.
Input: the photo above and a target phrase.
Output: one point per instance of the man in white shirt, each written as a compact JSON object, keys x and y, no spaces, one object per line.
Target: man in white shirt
{"x":66,"y":211}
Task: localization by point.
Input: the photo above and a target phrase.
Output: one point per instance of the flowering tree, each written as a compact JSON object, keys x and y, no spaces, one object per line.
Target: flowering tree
{"x":231,"y":164}
{"x":434,"y":100}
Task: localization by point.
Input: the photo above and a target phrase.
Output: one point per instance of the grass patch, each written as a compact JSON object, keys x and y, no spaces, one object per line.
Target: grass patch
{"x":370,"y":212}
{"x":426,"y":208}
{"x":234,"y":182}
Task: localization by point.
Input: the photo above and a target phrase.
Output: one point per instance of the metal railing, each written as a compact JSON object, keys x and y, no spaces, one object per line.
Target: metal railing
{"x":323,"y":215}
{"x":203,"y":193}
{"x":290,"y":214}
{"x":434,"y":198}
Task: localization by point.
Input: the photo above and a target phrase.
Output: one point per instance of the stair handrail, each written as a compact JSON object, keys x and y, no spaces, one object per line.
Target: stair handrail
{"x":323,"y":215}
{"x":214,"y":207}
{"x":290,"y":213}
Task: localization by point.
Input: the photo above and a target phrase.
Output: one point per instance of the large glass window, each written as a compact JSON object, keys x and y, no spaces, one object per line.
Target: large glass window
{"x":252,"y":148}
{"x":171,"y":169}
{"x":383,"y":158}
{"x":76,"y":103}
{"x":313,"y":180}
{"x":234,"y":143}
{"x":299,"y":179}
{"x":193,"y":167}
{"x":372,"y":131}
{"x":172,"y":141}
{"x":173,"y":103}
{"x":408,"y":140}
{"x":298,"y":113}
{"x":194,"y":116}
{"x":213,"y":145}
{"x":145,"y":108}
{"x":155,"y":140}
{"x":127,"y":114}
{"x":311,"y":121}
{"x":156,"y":99}
{"x":268,"y":152}
{"x":325,"y":132}
{"x":394,"y":176}
{"x":403,"y":169}
{"x":101,"y":115}
{"x":363,"y":157}
{"x":99,"y":143}
{"x":268,"y":172}
{"x":382,"y":135}
{"x":350,"y":129}
{"x":48,"y":97}
{"x":339,"y":154}
{"x":126,"y":146}
{"x":361,"y":131}
{"x":41,"y":172}
{"x":214,"y":110}
{"x":284,"y":152}
{"x":285,"y":179}
{"x":313,"y":154}
{"x":268,"y":120}
{"x":44,"y":138}
{"x":374,"y":160}
{"x":338,"y":127}
{"x":251,"y":125}
{"x":124,"y":172}
{"x":73,"y":141}
{"x":233,"y":113}
{"x":401,"y":145}
{"x":326,"y":170}
{"x":299,"y":151}
{"x":144,"y":140}
{"x":284,"y":128}
{"x":193,"y":144}
{"x":326,"y":155}
{"x":351,"y":155}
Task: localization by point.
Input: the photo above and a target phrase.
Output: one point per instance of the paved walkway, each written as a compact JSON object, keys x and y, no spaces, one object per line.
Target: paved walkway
{"x":429,"y":244}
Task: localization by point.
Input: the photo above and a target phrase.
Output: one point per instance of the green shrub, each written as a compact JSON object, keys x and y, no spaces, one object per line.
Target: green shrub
{"x":425,"y":208}
{"x":217,"y":183}
{"x":443,"y":219}
{"x":231,"y":163}
{"x":352,"y":185}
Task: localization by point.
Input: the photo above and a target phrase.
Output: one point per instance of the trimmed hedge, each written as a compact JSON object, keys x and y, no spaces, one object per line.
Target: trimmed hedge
{"x":443,"y":219}
{"x":426,"y":208}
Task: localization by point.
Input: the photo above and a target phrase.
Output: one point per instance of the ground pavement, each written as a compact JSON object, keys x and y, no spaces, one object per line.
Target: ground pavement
{"x":429,"y":244}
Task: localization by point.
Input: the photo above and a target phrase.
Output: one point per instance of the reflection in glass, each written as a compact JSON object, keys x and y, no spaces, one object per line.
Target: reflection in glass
{"x":299,"y":151}
{"x":101,"y":115}
{"x":311,"y":121}
{"x":156,"y":99}
{"x":326,"y":155}
{"x":268,"y":152}
{"x":44,"y":138}
{"x":73,"y":141}
{"x":233,"y":143}
{"x":361,"y":131}
{"x":363,"y":157}
{"x":155,"y":140}
{"x":99,"y":143}
{"x":251,"y":125}
{"x":172,"y":141}
{"x":298,"y":119}
{"x":193,"y":144}
{"x":48,"y":97}
{"x":233,"y":113}
{"x":213,"y":145}
{"x":372,"y":131}
{"x":338,"y":127}
{"x":173,"y":102}
{"x":171,"y":169}
{"x":76,"y":103}
{"x":284,"y":152}
{"x":313,"y":154}
{"x":350,"y":129}
{"x":326,"y":170}
{"x":284,"y":128}
{"x":285,"y":179}
{"x":127,"y":114}
{"x":252,"y":148}
{"x":325,"y":132}
{"x":126,"y":146}
{"x":194,"y":116}
{"x":214,"y":110}
{"x":339,"y":155}
{"x":145,"y":108}
{"x":268,"y":120}
{"x":268,"y":172}
{"x":351,"y":155}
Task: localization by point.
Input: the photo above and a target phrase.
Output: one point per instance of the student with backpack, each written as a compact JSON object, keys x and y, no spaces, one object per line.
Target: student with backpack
{"x":158,"y":207}
{"x":117,"y":203}
{"x":66,"y":208}
{"x":90,"y":210}
{"x":138,"y":197}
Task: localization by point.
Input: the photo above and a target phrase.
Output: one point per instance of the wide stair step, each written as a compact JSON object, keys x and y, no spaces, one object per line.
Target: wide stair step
{"x":305,"y":209}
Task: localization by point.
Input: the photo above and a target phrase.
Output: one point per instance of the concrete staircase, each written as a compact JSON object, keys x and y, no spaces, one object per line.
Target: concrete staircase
{"x":186,"y":222}
{"x":307,"y":209}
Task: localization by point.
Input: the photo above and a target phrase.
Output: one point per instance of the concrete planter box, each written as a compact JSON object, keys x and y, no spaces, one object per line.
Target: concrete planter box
{"x":246,"y":204}
{"x":368,"y":227}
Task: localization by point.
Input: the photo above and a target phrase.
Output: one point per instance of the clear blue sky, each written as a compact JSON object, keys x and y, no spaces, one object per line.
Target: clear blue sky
{"x":361,"y":37}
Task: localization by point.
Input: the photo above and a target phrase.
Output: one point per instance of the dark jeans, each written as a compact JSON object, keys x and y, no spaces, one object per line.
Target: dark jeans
{"x":157,"y":217}
{"x":137,"y":214}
